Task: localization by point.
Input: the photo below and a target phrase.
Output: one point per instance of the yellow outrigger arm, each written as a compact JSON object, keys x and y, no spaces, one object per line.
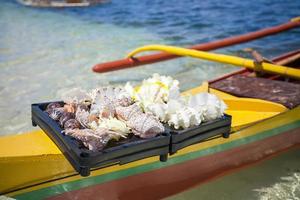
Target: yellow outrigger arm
{"x":233,"y":60}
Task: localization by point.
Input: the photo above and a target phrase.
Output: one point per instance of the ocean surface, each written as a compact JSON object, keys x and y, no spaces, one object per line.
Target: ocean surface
{"x":45,"y":52}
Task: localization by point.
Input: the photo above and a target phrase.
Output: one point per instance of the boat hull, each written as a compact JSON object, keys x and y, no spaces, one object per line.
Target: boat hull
{"x":151,"y":179}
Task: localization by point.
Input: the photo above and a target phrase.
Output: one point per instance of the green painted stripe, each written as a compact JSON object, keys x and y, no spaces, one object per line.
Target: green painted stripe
{"x":89,"y":181}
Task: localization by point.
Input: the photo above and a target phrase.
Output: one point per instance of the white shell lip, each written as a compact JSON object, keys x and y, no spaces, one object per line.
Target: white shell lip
{"x":161,"y":96}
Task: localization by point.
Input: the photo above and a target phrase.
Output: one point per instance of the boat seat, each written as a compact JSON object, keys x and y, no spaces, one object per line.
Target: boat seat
{"x":285,"y":93}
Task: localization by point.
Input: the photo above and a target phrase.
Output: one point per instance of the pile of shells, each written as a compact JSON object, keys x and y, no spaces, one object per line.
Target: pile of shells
{"x":111,"y":113}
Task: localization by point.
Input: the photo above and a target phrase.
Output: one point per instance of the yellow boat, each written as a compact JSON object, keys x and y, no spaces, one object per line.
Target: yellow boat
{"x":32,"y":167}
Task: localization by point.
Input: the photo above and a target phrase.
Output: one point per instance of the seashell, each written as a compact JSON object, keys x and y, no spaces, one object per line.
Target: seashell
{"x":56,"y":113}
{"x":125,"y":113}
{"x":94,"y":140}
{"x":184,"y":118}
{"x":104,"y":109}
{"x":82,"y":116}
{"x":65,"y":117}
{"x":155,"y":90}
{"x":93,"y":118}
{"x":53,"y":105}
{"x":91,"y":140}
{"x":71,"y":124}
{"x":112,"y":134}
{"x":167,"y":84}
{"x":114,"y":94}
{"x":211,"y":106}
{"x":105,"y":100}
{"x":173,"y":106}
{"x":76,"y":96}
{"x":82,"y":107}
{"x":145,"y":125}
{"x":158,"y":110}
{"x":115,"y":125}
{"x":70,"y":108}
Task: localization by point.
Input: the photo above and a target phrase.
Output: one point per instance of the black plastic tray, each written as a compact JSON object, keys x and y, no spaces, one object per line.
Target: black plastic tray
{"x":83,"y":160}
{"x":189,"y":136}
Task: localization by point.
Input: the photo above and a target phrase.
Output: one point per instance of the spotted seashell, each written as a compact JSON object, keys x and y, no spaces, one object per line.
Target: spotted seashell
{"x":51,"y":106}
{"x":125,"y":113}
{"x":82,"y":107}
{"x":145,"y":125}
{"x":71,"y":124}
{"x":65,"y":117}
{"x":94,"y":140}
{"x":56,"y":113}
{"x":70,"y":107}
{"x":89,"y":138}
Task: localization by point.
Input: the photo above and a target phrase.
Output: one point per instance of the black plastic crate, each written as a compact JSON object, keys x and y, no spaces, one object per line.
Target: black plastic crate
{"x":186,"y":137}
{"x":83,"y":160}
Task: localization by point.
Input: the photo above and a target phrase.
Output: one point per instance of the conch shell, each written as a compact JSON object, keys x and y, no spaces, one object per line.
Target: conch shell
{"x":189,"y":111}
{"x":157,"y":89}
{"x":184,"y":118}
{"x":76,"y":96}
{"x":105,"y":99}
{"x":94,"y":140}
{"x":210,"y":105}
{"x":145,"y":125}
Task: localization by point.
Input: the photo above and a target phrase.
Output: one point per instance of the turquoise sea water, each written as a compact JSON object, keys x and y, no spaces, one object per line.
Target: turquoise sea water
{"x":44,"y":52}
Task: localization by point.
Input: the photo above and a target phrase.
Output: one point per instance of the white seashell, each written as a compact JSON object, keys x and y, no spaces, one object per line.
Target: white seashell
{"x":173,"y":106}
{"x":76,"y":96}
{"x":209,"y":104}
{"x":155,"y":90}
{"x":115,"y":125}
{"x":159,"y":110}
{"x":184,"y":118}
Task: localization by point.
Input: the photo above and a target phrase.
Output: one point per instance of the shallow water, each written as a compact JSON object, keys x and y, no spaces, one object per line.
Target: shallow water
{"x":277,"y":178}
{"x":44,"y":52}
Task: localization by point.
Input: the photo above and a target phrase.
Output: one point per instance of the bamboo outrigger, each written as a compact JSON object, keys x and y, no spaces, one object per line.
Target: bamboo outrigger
{"x":32,"y":167}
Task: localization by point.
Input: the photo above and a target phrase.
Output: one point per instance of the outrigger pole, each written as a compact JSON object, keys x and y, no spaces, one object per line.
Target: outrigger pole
{"x":221,"y":58}
{"x":157,"y":57}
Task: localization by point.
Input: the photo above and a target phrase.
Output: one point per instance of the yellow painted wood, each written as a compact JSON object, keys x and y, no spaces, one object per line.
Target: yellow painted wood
{"x":233,"y":60}
{"x":34,"y":143}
